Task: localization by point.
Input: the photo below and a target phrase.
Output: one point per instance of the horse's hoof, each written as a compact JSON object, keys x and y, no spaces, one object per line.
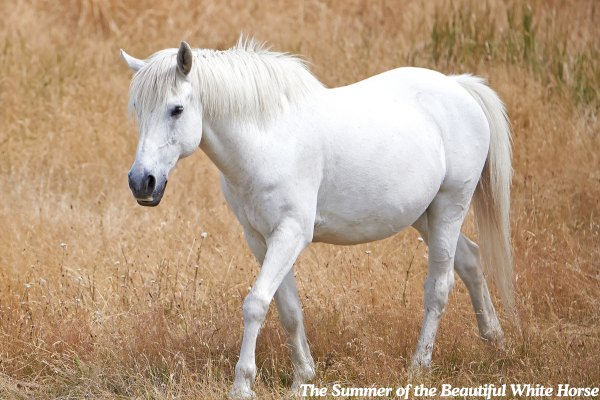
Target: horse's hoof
{"x":303,"y":374}
{"x":496,"y":339}
{"x":500,"y":344}
{"x":419,"y":367}
{"x":294,"y":393}
{"x":241,"y":394}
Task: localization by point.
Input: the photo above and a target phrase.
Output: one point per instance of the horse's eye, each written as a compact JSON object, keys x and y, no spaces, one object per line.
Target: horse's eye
{"x":177,"y":111}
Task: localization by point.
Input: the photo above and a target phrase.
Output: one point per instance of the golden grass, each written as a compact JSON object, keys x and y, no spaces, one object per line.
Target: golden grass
{"x":154,"y":326}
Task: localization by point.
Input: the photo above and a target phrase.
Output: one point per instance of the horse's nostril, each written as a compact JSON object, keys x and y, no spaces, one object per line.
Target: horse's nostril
{"x":150,"y":184}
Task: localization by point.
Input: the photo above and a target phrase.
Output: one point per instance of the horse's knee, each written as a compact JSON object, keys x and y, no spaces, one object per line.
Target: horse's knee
{"x":254,"y":309}
{"x":291,"y":319}
{"x":468,"y":262}
{"x":437,"y":290}
{"x":469,"y":270}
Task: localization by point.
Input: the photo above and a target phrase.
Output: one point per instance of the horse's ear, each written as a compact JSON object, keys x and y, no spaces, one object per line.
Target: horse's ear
{"x":133,"y":63}
{"x":185,"y":58}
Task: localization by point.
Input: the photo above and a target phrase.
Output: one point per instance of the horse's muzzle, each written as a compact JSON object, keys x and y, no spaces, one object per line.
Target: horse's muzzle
{"x":146,"y":189}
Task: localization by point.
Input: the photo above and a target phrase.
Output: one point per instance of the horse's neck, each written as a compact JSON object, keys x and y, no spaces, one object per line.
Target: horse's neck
{"x":241,"y":150}
{"x":229,"y":146}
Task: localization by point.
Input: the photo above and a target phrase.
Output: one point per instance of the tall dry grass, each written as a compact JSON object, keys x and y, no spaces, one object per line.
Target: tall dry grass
{"x":122,"y":310}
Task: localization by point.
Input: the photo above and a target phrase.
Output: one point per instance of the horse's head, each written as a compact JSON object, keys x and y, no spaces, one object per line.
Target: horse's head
{"x":170,"y":120}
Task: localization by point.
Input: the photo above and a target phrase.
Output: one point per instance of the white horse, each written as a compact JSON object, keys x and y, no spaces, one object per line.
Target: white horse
{"x":301,"y":163}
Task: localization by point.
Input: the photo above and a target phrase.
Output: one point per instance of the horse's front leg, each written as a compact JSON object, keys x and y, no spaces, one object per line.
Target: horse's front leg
{"x":283,"y":247}
{"x":290,"y":316}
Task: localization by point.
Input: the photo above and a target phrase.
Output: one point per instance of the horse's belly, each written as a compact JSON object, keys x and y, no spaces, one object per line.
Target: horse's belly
{"x":363,"y":208}
{"x":345,"y":231}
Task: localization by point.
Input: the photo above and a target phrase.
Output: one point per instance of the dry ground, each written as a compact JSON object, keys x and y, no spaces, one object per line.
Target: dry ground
{"x":144,"y":322}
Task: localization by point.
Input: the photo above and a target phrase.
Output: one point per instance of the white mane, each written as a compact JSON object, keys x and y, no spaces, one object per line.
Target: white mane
{"x":246,"y":82}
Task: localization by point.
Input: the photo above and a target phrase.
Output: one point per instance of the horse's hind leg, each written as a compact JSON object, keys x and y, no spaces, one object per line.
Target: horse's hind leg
{"x":443,"y":222}
{"x":467,"y":264}
{"x":290,"y":316}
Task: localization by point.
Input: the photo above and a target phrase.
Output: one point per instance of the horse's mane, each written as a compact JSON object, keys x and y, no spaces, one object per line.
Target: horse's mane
{"x":247,"y":82}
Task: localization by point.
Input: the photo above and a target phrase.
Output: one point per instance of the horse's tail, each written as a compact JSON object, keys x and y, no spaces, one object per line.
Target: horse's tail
{"x":492,"y":195}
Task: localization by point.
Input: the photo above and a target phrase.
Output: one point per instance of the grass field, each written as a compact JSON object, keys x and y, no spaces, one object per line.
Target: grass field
{"x":101,"y":298}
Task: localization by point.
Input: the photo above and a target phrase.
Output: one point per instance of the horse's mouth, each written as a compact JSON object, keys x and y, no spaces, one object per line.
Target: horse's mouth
{"x":152,"y":203}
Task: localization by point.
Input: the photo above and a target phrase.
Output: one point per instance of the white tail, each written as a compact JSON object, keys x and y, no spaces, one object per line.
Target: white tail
{"x":492,"y":196}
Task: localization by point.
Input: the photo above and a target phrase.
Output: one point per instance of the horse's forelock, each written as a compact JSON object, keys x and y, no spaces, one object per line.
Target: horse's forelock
{"x":152,"y":85}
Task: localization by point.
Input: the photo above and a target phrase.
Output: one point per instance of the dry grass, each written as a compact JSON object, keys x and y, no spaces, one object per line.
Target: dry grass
{"x":154,"y":326}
